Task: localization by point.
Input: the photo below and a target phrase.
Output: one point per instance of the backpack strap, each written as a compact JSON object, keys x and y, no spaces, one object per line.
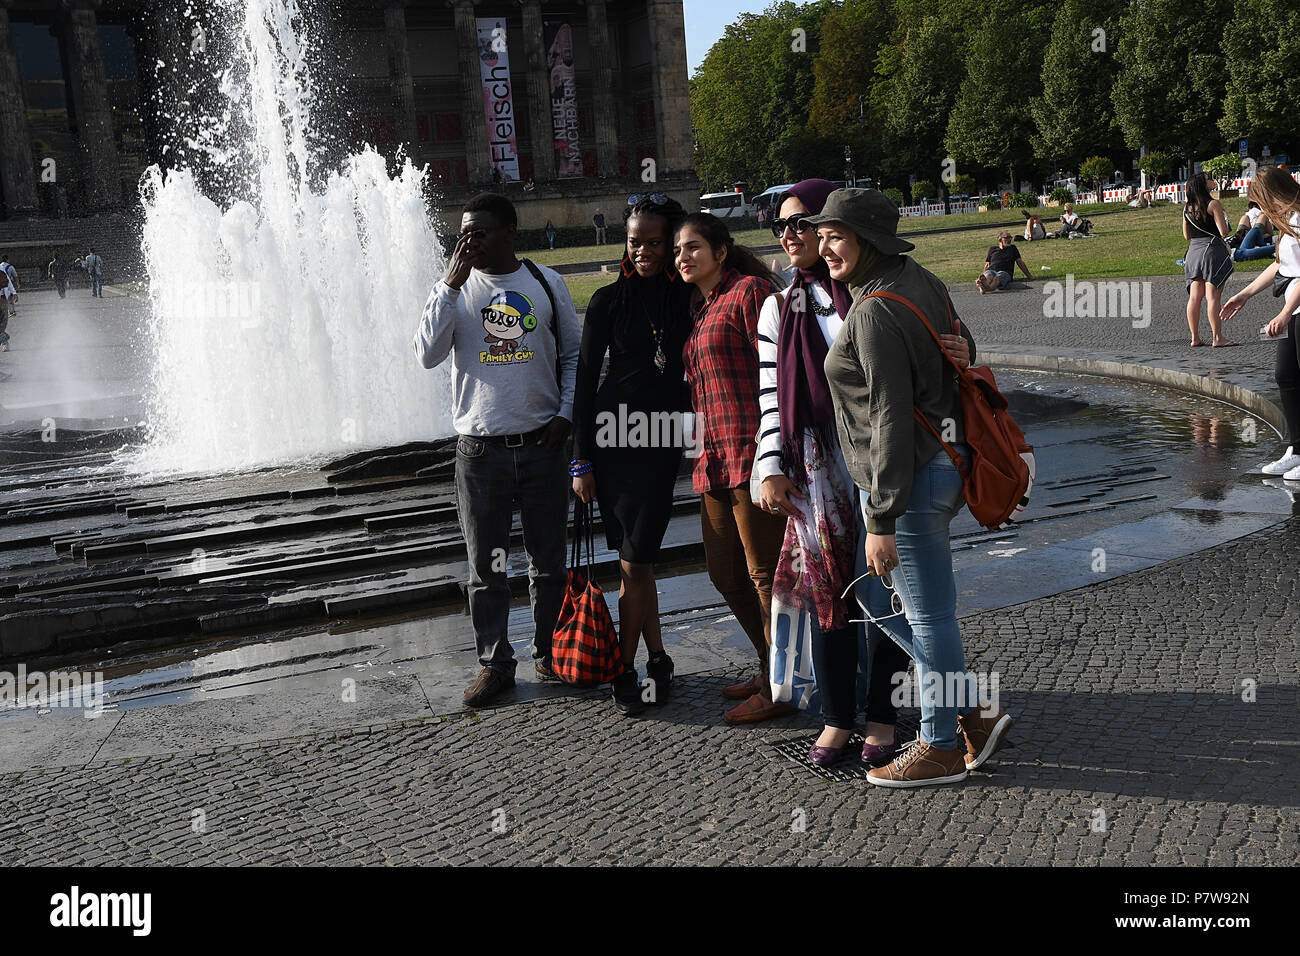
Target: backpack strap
{"x":961,"y":372}
{"x":536,"y":273}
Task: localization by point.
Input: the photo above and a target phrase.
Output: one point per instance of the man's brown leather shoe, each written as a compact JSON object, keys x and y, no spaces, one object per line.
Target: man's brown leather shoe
{"x":984,"y":735}
{"x":486,"y":686}
{"x":744,"y":690}
{"x":921,"y":765}
{"x":757,"y":708}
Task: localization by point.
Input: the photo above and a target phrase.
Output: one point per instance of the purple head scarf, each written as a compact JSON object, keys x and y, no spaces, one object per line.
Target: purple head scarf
{"x":803,"y":394}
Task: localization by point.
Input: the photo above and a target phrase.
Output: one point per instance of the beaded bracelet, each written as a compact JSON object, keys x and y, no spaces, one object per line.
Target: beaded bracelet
{"x":577,"y":471}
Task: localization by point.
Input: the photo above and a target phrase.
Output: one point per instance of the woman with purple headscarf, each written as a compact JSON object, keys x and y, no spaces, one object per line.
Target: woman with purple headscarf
{"x":804,"y":477}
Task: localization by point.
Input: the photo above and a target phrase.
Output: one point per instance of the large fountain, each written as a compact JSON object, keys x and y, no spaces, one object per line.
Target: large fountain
{"x":283,"y":302}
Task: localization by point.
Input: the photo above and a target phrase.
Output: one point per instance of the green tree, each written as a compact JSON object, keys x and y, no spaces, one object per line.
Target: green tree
{"x":841,"y":112}
{"x":1155,"y":164}
{"x":1263,"y":66}
{"x":749,"y":95}
{"x":920,"y":96}
{"x":1223,"y":167}
{"x":924,"y":189}
{"x":1096,"y":170}
{"x":1074,"y":114}
{"x":991,"y":123}
{"x":1169,"y":87}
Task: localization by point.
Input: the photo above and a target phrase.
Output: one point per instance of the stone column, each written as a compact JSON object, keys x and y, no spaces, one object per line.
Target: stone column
{"x":471,"y":93}
{"x":89,"y":87}
{"x":671,"y":85}
{"x":399,"y":71}
{"x":541,"y":125}
{"x":602,"y":77}
{"x":17,"y":169}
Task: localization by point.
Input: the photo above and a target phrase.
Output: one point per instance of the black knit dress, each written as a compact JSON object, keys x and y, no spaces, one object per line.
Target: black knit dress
{"x":633,"y":320}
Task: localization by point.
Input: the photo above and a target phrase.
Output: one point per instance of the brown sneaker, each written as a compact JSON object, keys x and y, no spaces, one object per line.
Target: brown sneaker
{"x":921,"y":765}
{"x":757,"y":708}
{"x":487,"y":685}
{"x":744,"y":690}
{"x":984,"y":735}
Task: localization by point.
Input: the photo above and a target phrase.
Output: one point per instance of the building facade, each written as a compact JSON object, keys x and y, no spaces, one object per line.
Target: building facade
{"x":589,"y":99}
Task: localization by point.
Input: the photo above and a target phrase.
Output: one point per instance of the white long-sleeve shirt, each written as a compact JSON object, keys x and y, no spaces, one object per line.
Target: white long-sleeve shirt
{"x":768,"y":459}
{"x":497,"y":330}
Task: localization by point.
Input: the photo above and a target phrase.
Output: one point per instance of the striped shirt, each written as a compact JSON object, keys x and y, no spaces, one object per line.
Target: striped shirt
{"x":769,"y":327}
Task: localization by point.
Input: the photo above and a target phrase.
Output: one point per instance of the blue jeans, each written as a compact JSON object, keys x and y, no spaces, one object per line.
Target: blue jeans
{"x":490,"y":480}
{"x":1252,"y":246}
{"x":96,"y":284}
{"x":924,"y":580}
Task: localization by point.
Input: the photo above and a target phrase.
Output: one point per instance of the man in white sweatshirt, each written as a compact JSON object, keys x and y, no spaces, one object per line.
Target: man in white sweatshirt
{"x":513,"y":336}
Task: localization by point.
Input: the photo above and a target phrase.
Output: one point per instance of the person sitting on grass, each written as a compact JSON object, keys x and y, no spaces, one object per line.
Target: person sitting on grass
{"x":1254,"y":236}
{"x":1034,"y":228}
{"x":1000,"y":264}
{"x":1071,"y":223}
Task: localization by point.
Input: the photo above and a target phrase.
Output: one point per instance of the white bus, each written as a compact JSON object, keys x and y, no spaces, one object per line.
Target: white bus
{"x":726,"y":205}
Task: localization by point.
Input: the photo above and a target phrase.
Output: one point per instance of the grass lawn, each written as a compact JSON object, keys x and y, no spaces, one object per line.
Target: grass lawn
{"x":1133,"y":242}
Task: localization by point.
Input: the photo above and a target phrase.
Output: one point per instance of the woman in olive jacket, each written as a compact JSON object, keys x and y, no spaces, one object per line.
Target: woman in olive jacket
{"x":883,"y":366}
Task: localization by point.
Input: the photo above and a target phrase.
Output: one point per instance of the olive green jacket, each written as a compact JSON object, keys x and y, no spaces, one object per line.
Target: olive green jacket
{"x":883,"y":363}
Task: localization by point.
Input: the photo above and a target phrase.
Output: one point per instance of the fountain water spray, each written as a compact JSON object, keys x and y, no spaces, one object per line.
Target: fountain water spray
{"x":282,"y":322}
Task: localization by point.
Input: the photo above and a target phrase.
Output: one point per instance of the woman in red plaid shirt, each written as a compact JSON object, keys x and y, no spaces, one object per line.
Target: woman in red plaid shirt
{"x":741,"y":542}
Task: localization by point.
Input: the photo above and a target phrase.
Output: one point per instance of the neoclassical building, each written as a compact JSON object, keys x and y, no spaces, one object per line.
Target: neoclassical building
{"x":576,"y":95}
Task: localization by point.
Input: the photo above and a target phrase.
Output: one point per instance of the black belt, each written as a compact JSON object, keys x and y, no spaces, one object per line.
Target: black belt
{"x":513,"y":441}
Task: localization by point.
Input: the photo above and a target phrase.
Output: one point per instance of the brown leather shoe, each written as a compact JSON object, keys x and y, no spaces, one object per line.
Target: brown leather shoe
{"x":921,"y":765}
{"x":757,"y":708}
{"x":744,"y":690}
{"x":486,"y":686}
{"x":984,"y":735}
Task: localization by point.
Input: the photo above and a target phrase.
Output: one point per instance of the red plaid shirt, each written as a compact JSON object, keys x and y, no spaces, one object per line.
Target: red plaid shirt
{"x":722,"y":367}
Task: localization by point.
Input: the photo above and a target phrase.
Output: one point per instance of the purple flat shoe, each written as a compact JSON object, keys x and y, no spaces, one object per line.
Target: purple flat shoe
{"x":877,"y":755}
{"x":825,"y":756}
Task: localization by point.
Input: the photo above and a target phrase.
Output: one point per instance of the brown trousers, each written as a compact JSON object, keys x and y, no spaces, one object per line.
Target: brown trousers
{"x":741,"y":547}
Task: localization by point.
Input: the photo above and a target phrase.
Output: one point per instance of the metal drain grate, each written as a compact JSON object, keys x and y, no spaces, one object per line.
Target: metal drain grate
{"x":850,"y":767}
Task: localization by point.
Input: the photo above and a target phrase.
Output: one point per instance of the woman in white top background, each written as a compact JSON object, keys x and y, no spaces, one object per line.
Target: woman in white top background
{"x":804,"y":477}
{"x":1278,"y":196}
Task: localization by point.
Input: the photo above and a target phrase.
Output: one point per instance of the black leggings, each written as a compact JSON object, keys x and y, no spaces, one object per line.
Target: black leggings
{"x":835,"y":660}
{"x":1288,"y":382}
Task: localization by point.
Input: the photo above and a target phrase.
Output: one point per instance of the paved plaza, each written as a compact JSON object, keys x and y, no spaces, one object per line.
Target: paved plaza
{"x":1155,"y":726}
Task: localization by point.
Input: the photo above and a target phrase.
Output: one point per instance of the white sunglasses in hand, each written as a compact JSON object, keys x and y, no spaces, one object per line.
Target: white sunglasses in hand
{"x":895,"y":601}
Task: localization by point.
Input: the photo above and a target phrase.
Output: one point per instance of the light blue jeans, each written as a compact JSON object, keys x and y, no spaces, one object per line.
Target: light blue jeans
{"x":924,"y":580}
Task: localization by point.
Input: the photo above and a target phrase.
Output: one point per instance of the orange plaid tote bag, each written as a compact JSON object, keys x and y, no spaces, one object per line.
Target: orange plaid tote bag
{"x":584,"y":650}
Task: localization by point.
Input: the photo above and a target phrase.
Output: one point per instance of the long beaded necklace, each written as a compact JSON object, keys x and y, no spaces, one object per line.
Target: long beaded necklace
{"x":656,"y":331}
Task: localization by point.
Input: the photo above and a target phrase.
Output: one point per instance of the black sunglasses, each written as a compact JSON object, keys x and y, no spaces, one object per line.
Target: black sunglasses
{"x":659,"y":199}
{"x":798,"y":224}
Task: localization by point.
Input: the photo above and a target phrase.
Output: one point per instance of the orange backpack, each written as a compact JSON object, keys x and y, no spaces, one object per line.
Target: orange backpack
{"x":1001,"y":471}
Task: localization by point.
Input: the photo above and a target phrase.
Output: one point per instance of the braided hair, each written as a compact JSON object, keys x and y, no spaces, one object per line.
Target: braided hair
{"x":672,"y":214}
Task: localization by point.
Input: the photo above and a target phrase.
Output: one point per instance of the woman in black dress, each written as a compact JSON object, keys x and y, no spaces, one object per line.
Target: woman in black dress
{"x":621,"y":455}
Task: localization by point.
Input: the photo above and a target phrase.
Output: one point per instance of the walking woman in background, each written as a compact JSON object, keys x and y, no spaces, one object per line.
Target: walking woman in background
{"x":883,"y":368}
{"x":741,"y":542}
{"x":1208,"y":262}
{"x":805,"y":478}
{"x":642,"y":321}
{"x":1279,"y":196}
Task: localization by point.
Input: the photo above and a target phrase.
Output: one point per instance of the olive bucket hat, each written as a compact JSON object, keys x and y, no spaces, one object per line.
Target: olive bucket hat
{"x":869,"y":213}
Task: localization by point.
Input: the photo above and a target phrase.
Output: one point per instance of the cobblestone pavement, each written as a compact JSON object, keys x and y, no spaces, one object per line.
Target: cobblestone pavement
{"x":1135,"y":744}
